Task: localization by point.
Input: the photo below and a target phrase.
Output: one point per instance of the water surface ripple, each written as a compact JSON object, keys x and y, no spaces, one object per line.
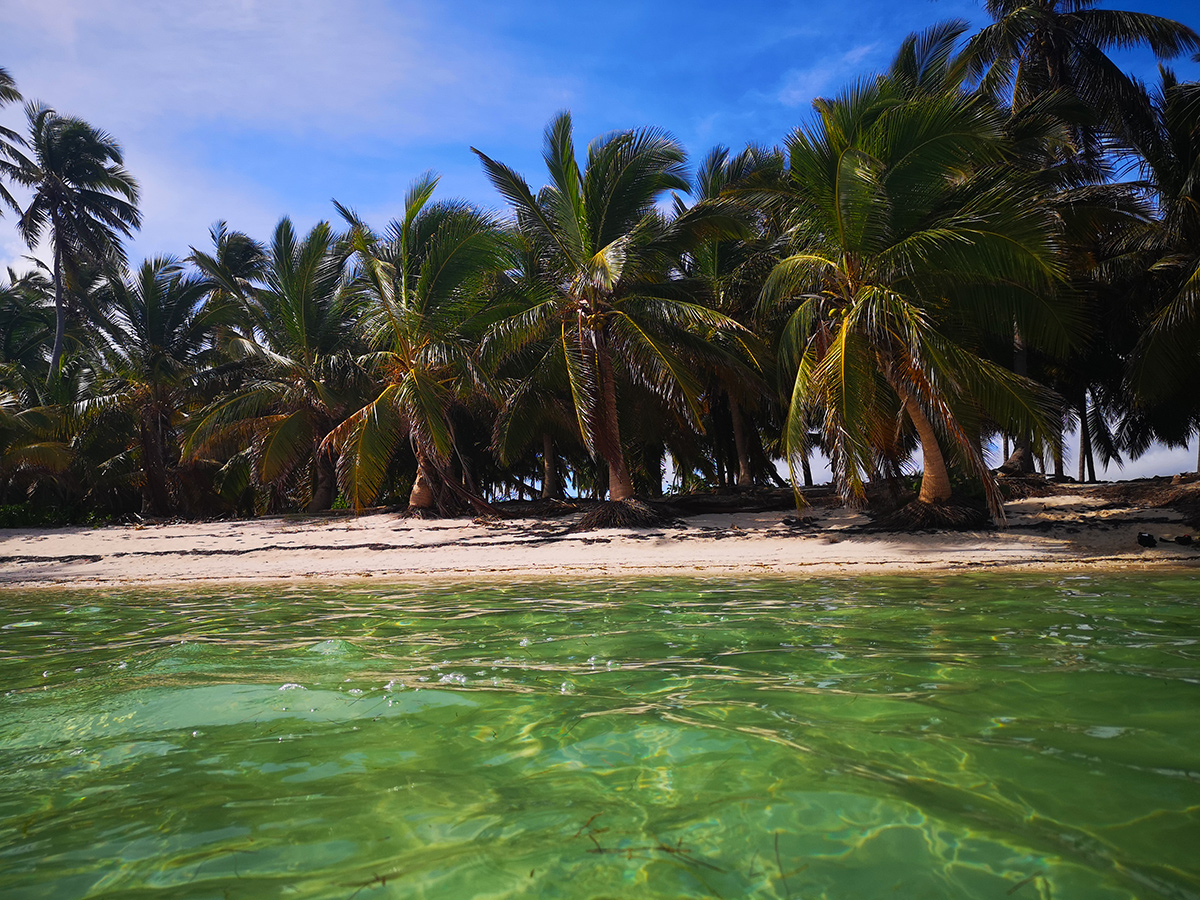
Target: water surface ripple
{"x":958,"y":737}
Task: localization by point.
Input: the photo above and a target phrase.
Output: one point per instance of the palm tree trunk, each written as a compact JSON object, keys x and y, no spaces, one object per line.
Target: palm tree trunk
{"x":551,"y":489}
{"x":60,"y":318}
{"x":325,"y":489}
{"x":620,"y":485}
{"x":745,"y":477}
{"x":157,"y":497}
{"x":1022,"y":456}
{"x":422,"y":496}
{"x":1085,"y":441}
{"x":806,"y":469}
{"x":935,"y":485}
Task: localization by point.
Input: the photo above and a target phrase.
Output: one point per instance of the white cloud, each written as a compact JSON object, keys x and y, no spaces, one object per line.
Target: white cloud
{"x":799,"y":86}
{"x":342,"y":70}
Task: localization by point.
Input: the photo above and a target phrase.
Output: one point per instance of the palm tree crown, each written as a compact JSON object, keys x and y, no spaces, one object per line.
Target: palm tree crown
{"x":427,"y":286}
{"x":82,"y":194}
{"x":905,"y":247}
{"x":605,"y":260}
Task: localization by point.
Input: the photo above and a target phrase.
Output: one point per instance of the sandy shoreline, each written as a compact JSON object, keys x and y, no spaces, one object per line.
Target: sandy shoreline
{"x":1077,"y":531}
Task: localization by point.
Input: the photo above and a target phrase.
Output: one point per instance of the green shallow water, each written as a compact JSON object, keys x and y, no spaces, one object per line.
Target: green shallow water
{"x":965,"y":737}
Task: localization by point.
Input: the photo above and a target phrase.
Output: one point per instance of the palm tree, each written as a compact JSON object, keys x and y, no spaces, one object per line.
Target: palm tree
{"x":606,"y":257}
{"x":26,"y":322}
{"x":428,"y":282}
{"x":11,"y":157}
{"x":81,"y":194}
{"x":159,"y":327}
{"x":730,"y":273}
{"x":237,"y":261}
{"x":908,"y":244}
{"x":1036,"y":47}
{"x":301,"y":375}
{"x":1164,"y":133}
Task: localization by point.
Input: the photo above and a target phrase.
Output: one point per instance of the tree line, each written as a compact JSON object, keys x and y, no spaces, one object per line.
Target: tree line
{"x":998,"y":237}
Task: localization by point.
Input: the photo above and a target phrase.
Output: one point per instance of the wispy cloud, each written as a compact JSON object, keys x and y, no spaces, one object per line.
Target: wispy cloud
{"x":798,"y":87}
{"x":197,"y":93}
{"x":358,"y":66}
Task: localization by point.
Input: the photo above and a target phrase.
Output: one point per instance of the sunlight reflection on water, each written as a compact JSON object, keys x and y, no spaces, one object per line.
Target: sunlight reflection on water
{"x":960,"y":737}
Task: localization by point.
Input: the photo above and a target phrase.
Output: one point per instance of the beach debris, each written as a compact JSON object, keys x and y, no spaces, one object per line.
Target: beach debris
{"x":779,"y":864}
{"x":1146,"y":539}
{"x":800,"y":521}
{"x":1020,"y":884}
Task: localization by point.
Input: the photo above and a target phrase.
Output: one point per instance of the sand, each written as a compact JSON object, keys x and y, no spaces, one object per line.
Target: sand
{"x":1079,"y":530}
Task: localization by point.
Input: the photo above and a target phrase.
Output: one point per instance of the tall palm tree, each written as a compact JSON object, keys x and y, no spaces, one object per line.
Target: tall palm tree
{"x":607,"y":256}
{"x":730,"y":273}
{"x":82,"y":195}
{"x":428,"y":283}
{"x":158,"y":327}
{"x":908,"y":244}
{"x":301,"y":377}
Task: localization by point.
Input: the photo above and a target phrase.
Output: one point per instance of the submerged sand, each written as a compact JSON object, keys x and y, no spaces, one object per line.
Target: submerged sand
{"x":1080,"y":529}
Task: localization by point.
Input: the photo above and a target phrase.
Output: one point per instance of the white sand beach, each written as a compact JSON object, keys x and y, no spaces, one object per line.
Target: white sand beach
{"x":1081,"y":529}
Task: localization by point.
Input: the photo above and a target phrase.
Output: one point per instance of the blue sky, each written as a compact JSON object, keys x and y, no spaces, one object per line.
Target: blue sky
{"x":247,"y":110}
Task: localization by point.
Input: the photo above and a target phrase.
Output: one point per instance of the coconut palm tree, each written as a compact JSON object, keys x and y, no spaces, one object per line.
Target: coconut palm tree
{"x":1034,"y":47}
{"x":908,"y":244}
{"x":11,"y":157}
{"x":427,"y":282}
{"x":1164,"y":255}
{"x":607,"y":257}
{"x":26,"y":322}
{"x":82,"y":195}
{"x":300,"y":376}
{"x":236,"y":263}
{"x":730,"y":273}
{"x":158,"y":327}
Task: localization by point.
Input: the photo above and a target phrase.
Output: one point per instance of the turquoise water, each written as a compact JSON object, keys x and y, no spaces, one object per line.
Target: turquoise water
{"x":963,"y":737}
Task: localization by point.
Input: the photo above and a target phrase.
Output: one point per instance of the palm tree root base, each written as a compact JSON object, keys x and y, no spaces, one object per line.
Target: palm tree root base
{"x":919,"y":515}
{"x":421,"y":512}
{"x":621,"y":514}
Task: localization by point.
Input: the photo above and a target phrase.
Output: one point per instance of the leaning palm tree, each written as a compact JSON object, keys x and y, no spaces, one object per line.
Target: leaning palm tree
{"x":607,"y":256}
{"x":427,"y":282}
{"x":158,"y":330}
{"x":300,"y":376}
{"x":908,"y":243}
{"x":82,"y":195}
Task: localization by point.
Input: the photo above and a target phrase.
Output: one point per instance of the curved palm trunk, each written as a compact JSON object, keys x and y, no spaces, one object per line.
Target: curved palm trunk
{"x":745,"y":476}
{"x":422,"y":495}
{"x":935,"y":485}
